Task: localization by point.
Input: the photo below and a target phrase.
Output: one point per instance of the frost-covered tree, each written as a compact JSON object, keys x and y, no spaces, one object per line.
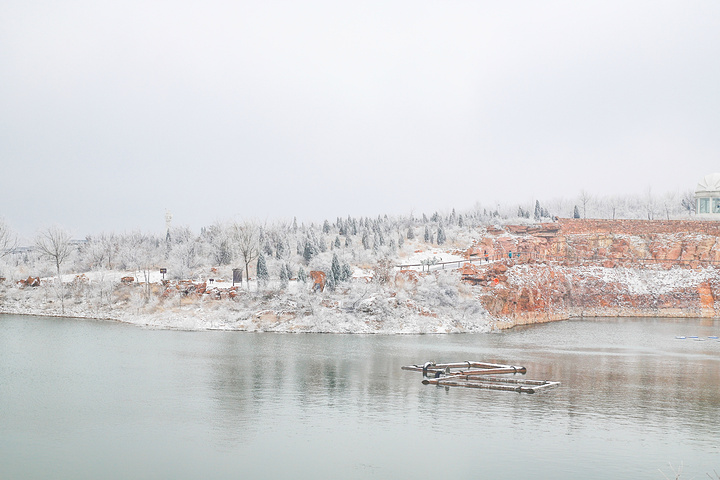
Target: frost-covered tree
{"x":585,"y":199}
{"x":688,"y":202}
{"x":410,"y":233}
{"x":219,"y":244}
{"x":284,"y":276}
{"x":335,"y":266}
{"x":262,"y":272}
{"x":426,"y":237}
{"x":330,"y":280}
{"x":576,"y":212}
{"x":246,"y":237}
{"x":538,"y":211}
{"x":326,"y":227}
{"x":346,"y":273}
{"x":279,"y":249}
{"x":366,"y":240}
{"x":54,"y":244}
{"x":441,"y":238}
{"x":8,"y":241}
{"x":301,"y":276}
{"x":309,"y":251}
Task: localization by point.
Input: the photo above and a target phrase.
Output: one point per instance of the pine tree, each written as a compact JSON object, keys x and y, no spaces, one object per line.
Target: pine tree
{"x":366,"y":240}
{"x":307,"y":252}
{"x":262,"y":272}
{"x":410,"y":233}
{"x":427,"y":235}
{"x":346,"y":272}
{"x":330,"y":280}
{"x":301,"y":275}
{"x":576,"y":213}
{"x":284,"y":278}
{"x":337,"y":242}
{"x":335,"y":266}
{"x":326,"y":227}
{"x":441,"y":235}
{"x":538,"y":210}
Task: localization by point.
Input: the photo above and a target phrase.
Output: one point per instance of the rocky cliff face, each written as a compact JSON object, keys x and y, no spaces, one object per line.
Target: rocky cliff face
{"x":598,"y":268}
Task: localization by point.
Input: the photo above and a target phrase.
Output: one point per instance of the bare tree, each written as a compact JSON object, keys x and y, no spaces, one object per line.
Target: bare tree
{"x":670,"y":203}
{"x":585,"y":199}
{"x":142,"y":252}
{"x":649,"y":204}
{"x":614,"y":202}
{"x":53,"y":244}
{"x":8,"y":241}
{"x":247,"y":240}
{"x":688,"y":202}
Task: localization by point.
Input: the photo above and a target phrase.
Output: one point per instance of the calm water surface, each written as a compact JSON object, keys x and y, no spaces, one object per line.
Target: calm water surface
{"x":88,"y":400}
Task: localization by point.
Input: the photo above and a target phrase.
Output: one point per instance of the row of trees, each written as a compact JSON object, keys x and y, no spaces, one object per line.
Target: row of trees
{"x":284,"y":250}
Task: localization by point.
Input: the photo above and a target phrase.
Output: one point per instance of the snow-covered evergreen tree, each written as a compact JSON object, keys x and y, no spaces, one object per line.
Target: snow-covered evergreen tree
{"x":284,"y":277}
{"x":441,"y":235}
{"x":335,"y":266}
{"x":366,"y":240}
{"x":301,"y":276}
{"x":426,"y":237}
{"x":308,"y":251}
{"x":330,"y":280}
{"x":576,"y":212}
{"x":346,"y":273}
{"x":262,"y":272}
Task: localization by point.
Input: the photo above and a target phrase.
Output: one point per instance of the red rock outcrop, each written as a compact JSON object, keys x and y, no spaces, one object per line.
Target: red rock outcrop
{"x":599,"y":268}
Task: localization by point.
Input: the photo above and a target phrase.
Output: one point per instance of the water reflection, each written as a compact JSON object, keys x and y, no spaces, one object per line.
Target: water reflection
{"x":631,"y":392}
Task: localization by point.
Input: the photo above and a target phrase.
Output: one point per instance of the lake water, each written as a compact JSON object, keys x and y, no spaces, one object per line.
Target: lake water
{"x":89,"y":400}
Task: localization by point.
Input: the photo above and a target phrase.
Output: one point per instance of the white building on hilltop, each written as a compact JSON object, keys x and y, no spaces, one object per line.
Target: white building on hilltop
{"x":707,"y":195}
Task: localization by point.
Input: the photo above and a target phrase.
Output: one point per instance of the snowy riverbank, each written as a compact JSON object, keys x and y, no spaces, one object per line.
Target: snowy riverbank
{"x":434,"y":304}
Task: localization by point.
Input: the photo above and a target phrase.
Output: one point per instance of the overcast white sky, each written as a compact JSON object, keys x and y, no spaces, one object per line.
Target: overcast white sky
{"x":113,"y":111}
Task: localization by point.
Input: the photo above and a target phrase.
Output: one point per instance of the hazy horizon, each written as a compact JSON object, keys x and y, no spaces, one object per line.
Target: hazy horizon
{"x":112,"y":113}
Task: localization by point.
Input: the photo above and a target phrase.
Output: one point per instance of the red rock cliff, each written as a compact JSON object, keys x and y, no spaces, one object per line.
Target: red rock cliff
{"x":599,"y":268}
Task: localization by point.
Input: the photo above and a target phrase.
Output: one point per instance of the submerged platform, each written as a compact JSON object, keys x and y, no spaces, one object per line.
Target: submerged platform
{"x":480,"y":375}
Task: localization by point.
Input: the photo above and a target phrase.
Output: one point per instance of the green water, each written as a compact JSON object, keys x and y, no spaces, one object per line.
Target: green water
{"x":88,"y":400}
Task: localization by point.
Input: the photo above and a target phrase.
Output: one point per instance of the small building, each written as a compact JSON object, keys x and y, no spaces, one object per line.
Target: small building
{"x":707,"y":195}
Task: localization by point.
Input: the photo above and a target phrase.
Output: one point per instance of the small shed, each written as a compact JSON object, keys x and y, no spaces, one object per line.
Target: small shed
{"x":707,"y":195}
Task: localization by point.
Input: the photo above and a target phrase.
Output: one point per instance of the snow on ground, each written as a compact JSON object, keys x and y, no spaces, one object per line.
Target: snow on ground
{"x":635,"y":281}
{"x":436,"y":305}
{"x":419,"y":255}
